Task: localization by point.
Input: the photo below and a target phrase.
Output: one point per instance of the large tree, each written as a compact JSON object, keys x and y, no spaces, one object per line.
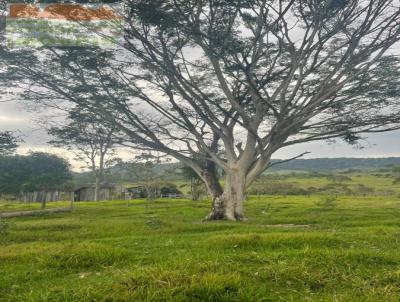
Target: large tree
{"x":232,"y":82}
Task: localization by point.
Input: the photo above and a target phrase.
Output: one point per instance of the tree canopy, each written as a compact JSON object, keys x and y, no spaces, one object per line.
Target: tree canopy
{"x":37,"y":171}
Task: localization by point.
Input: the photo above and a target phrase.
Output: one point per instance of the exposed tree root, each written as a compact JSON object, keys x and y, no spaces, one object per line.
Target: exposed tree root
{"x":213,"y":216}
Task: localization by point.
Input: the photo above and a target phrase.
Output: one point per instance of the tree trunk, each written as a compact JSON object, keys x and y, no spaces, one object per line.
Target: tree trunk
{"x":97,"y":187}
{"x":210,"y":177}
{"x":192,"y":189}
{"x":43,"y":200}
{"x":150,"y":193}
{"x":229,"y":205}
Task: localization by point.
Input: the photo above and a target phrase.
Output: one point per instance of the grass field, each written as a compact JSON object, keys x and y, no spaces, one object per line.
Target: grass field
{"x":383,"y":183}
{"x":17,"y":206}
{"x":161,"y":251}
{"x":358,"y":183}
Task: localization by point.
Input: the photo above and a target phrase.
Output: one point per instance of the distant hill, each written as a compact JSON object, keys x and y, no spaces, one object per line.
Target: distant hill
{"x":337,"y":164}
{"x":122,"y":173}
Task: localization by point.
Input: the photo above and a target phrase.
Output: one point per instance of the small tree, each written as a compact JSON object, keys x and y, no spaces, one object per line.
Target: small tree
{"x":196,"y":184}
{"x":92,"y":141}
{"x":147,"y":170}
{"x":364,"y":190}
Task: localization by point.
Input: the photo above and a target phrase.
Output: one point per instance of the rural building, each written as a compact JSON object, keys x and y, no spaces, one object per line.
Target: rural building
{"x":108,"y":191}
{"x":135,"y":192}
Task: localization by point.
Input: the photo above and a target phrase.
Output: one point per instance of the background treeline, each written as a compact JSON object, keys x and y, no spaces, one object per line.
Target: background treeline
{"x":37,"y":171}
{"x":124,"y":171}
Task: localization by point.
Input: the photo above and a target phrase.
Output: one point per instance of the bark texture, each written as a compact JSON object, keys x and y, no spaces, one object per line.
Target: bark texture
{"x":227,"y":203}
{"x":43,"y":202}
{"x":97,"y":189}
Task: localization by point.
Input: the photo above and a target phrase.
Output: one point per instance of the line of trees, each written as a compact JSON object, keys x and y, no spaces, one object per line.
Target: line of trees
{"x":35,"y":172}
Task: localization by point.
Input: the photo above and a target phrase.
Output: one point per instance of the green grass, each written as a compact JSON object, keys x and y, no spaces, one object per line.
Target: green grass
{"x":380,"y":183}
{"x":161,"y":251}
{"x":383,"y":183}
{"x":21,"y":206}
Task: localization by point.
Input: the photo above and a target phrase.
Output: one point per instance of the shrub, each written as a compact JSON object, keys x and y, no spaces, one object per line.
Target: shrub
{"x":169,"y":188}
{"x":335,"y":189}
{"x":338,"y":178}
{"x":364,"y":190}
{"x":327,"y":202}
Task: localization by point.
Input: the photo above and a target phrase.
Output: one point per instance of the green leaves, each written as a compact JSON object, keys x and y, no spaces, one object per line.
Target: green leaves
{"x":34,"y":172}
